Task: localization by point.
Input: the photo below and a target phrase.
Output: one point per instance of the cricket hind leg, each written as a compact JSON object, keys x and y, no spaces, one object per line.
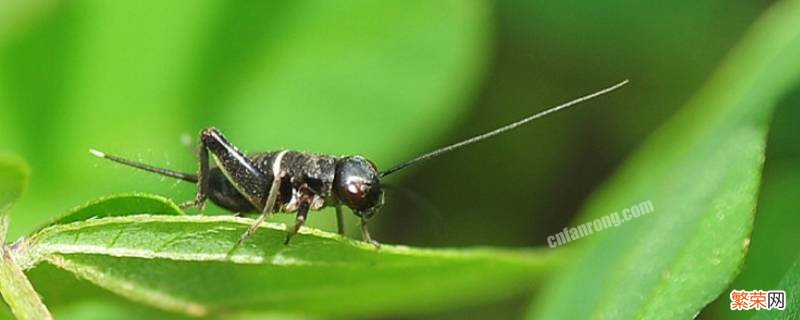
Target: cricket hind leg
{"x":237,"y":167}
{"x":225,"y":195}
{"x":202,"y":180}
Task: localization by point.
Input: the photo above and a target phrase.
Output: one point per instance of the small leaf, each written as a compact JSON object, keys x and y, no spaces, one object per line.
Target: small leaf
{"x":121,"y":205}
{"x":179,"y":263}
{"x":13,"y":180}
{"x":701,"y":172}
{"x":17,"y":291}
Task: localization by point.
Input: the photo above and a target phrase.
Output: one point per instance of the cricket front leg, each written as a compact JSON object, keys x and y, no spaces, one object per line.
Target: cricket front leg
{"x":339,"y":220}
{"x":302,"y":213}
{"x":365,"y":234}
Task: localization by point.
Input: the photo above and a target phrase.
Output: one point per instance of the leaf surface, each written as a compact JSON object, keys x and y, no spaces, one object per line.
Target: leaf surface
{"x":121,"y":205}
{"x":791,"y":285}
{"x":180,"y":263}
{"x":701,"y":172}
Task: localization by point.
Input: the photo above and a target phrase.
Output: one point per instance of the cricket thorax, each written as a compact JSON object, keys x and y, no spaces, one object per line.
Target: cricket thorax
{"x":302,"y":175}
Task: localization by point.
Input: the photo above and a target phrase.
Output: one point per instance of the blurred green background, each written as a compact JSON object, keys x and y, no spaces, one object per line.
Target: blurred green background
{"x":387,"y":80}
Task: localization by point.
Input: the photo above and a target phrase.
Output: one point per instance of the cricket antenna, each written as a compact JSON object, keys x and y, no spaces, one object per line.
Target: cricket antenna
{"x":164,"y":172}
{"x":440,"y":151}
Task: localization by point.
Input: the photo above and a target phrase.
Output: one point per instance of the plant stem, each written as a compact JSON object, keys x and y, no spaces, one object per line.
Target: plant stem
{"x":3,"y":226}
{"x":18,"y":292}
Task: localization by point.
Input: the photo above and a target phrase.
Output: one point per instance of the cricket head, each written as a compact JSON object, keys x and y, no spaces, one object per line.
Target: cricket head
{"x":357,"y":185}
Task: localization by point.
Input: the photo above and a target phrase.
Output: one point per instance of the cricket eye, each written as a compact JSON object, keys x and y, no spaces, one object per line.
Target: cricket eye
{"x":357,"y":194}
{"x":356,"y":189}
{"x":356,"y":183}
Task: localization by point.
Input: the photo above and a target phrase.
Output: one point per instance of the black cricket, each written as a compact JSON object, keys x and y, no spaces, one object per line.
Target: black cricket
{"x":294,"y":181}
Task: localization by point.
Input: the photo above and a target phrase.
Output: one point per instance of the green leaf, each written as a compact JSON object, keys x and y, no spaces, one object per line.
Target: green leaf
{"x":121,"y":205}
{"x":791,"y":284}
{"x":180,"y":263}
{"x":773,"y":248}
{"x":74,"y":298}
{"x":701,"y":171}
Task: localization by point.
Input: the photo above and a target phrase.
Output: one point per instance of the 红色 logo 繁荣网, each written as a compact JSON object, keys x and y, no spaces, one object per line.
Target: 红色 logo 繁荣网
{"x":758,"y":300}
